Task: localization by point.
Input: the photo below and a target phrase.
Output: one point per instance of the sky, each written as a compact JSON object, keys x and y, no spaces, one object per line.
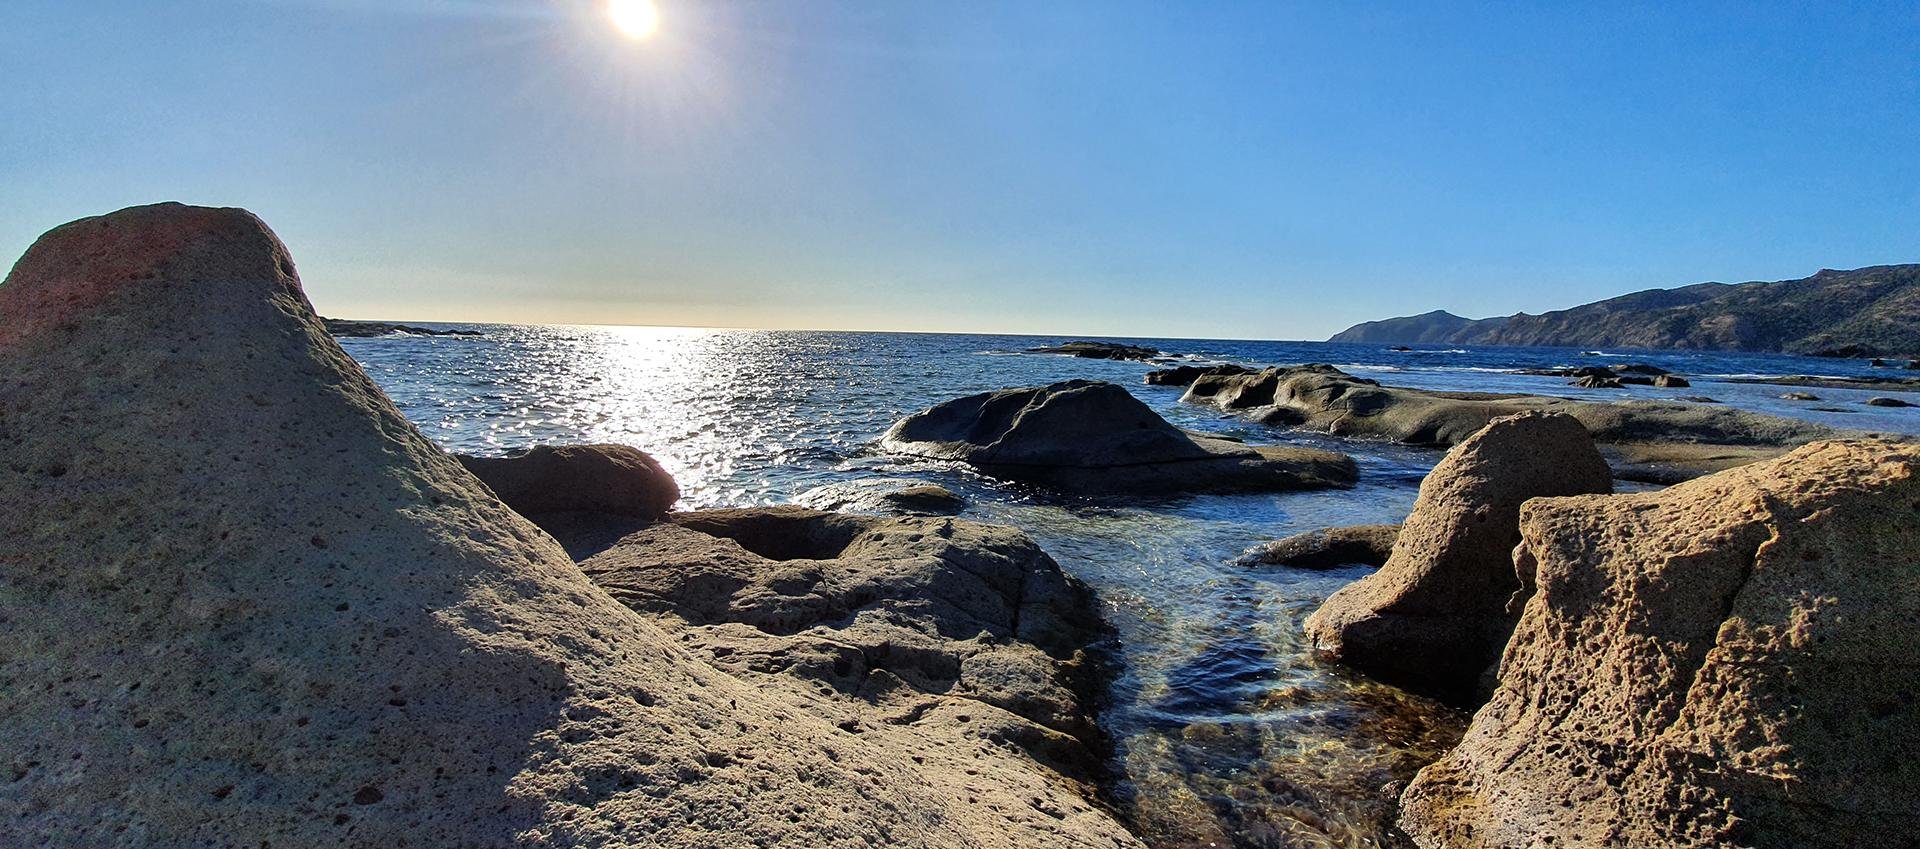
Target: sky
{"x":1263,"y":170}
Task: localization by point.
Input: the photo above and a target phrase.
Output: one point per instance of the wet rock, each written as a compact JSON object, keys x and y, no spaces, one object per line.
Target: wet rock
{"x":1728,"y":662}
{"x":1671,"y":381}
{"x":1186,"y":375}
{"x":1594,"y":381}
{"x":1321,"y":397}
{"x":1643,"y":369}
{"x":884,"y":495}
{"x":1095,"y":437}
{"x":927,"y":633}
{"x":305,"y":625}
{"x":1884,"y":401}
{"x":1327,"y":548}
{"x":926,"y":498}
{"x":613,"y":479}
{"x":1435,"y":617}
{"x":1099,"y":351}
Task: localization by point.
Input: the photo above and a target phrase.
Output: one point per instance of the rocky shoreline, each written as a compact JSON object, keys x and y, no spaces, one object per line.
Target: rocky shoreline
{"x":248,"y":603}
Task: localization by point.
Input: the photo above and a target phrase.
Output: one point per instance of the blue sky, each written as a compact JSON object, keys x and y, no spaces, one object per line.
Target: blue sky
{"x":1255,"y":170}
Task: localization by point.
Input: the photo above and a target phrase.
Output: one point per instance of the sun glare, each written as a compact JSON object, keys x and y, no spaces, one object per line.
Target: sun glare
{"x":635,"y":19}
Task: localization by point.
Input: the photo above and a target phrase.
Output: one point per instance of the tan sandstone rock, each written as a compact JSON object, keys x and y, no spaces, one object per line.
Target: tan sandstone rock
{"x":1729,"y":662}
{"x":245,"y":603}
{"x":1435,"y":616}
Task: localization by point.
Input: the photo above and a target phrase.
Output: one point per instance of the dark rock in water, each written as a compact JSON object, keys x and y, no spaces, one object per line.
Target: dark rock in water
{"x":1594,"y":381}
{"x":611,"y":479}
{"x":926,"y":498}
{"x":1911,"y":365}
{"x":1327,"y":548}
{"x":1799,"y":396}
{"x":1094,"y":437}
{"x":1728,"y":662}
{"x":971,"y":629}
{"x":1671,"y":381}
{"x":1399,"y":348}
{"x":1634,"y":380}
{"x":889,"y":496}
{"x":364,"y":329}
{"x":1888,"y":402}
{"x":1186,"y":375}
{"x":1435,"y":617}
{"x":246,"y":603}
{"x":1099,"y":351}
{"x":1876,"y":362}
{"x":1643,"y":369}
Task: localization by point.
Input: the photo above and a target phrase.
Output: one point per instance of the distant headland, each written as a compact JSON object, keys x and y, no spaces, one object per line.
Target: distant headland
{"x":1867,"y":312}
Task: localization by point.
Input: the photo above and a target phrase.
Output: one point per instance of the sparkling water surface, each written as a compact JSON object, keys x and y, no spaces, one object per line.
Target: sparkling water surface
{"x":1226,"y":731}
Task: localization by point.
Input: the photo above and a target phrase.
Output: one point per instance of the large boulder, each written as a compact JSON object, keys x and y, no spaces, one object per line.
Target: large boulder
{"x":1729,"y":662}
{"x":1435,"y":616}
{"x":1093,"y":436}
{"x":935,"y":635}
{"x":245,"y":603}
{"x":613,"y":479}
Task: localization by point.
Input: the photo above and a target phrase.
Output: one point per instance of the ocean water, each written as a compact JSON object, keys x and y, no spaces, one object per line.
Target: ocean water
{"x":1226,"y":731}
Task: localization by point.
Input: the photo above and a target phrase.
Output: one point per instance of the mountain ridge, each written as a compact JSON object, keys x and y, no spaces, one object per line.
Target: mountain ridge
{"x":1875,"y":310}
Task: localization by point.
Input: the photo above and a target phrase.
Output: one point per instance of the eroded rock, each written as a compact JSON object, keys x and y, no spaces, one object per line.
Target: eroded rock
{"x":246,"y":603}
{"x":933,"y":634}
{"x":1435,"y":616}
{"x":1728,"y":662}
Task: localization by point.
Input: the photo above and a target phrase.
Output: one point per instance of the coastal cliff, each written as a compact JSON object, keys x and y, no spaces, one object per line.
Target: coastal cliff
{"x":1876,"y":310}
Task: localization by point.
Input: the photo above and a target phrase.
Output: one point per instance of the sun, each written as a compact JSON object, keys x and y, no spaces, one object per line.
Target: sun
{"x":635,"y":19}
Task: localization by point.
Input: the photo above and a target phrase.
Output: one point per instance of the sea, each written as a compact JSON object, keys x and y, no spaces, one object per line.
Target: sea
{"x":1225,"y":730}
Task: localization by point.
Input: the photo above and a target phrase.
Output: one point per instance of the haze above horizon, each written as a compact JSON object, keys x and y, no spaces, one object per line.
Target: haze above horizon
{"x":1231,"y":170}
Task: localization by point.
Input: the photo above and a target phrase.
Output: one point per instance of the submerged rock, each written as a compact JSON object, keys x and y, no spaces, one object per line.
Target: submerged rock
{"x":246,"y":603}
{"x":1092,"y":436}
{"x":1098,"y":351}
{"x":614,"y":479}
{"x":1435,"y":616}
{"x":1728,"y":662}
{"x":894,"y":496}
{"x":1327,"y":548}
